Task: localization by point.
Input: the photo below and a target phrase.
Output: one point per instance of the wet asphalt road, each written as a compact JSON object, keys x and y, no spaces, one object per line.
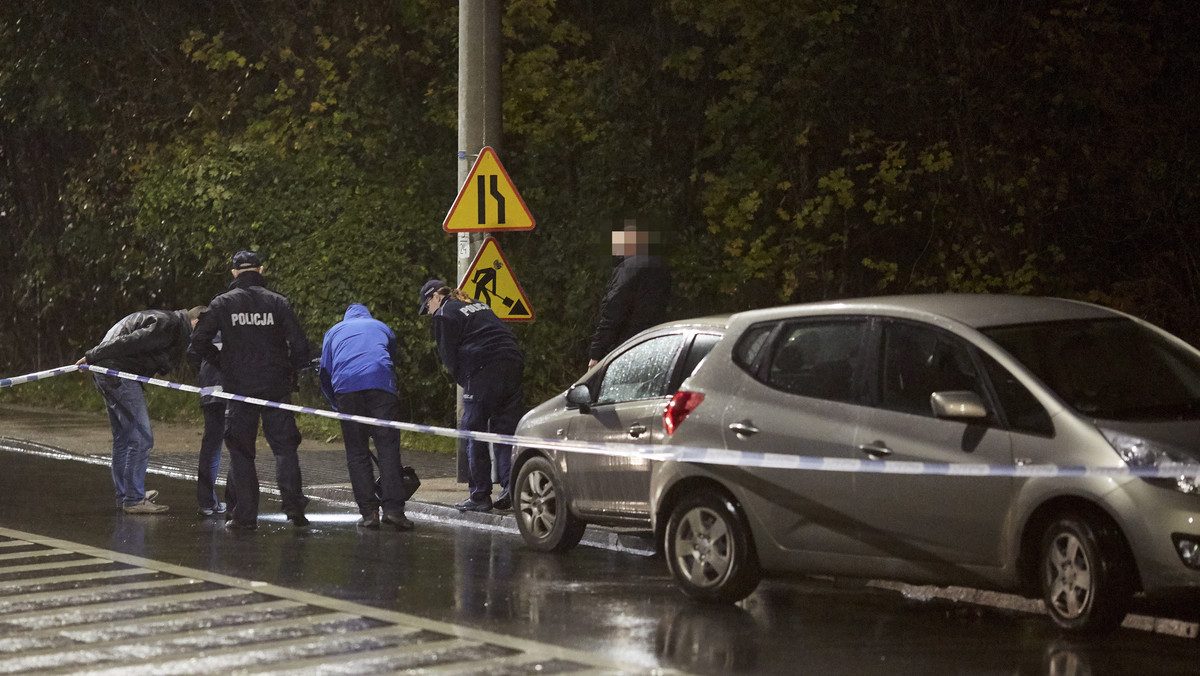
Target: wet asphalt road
{"x":619,"y":605}
{"x":475,"y":573}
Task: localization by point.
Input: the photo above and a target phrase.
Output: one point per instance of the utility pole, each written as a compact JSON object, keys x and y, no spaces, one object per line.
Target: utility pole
{"x":479,"y":123}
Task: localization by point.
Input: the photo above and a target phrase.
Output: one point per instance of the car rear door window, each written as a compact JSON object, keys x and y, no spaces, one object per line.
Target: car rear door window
{"x":920,"y":360}
{"x":817,"y":359}
{"x":641,"y":372}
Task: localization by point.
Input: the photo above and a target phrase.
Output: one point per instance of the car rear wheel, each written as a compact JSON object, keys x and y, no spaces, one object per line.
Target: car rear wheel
{"x":708,"y":549}
{"x":541,"y":509}
{"x":1086,"y":575}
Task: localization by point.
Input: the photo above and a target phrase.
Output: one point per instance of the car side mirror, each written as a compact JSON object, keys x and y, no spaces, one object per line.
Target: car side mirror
{"x":959,"y":405}
{"x":580,"y":396}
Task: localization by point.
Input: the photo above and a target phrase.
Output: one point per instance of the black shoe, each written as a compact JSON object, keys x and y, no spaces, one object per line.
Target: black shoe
{"x":398,"y":521}
{"x":503,"y":503}
{"x":235,"y":526}
{"x":299,"y":520}
{"x":470,"y":505}
{"x":369,"y":521}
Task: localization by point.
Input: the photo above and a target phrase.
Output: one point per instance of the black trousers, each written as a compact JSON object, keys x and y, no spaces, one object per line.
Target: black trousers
{"x":241,"y":431}
{"x":492,"y":402}
{"x":372,"y":404}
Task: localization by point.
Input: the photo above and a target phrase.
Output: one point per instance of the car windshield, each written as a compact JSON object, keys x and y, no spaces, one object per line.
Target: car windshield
{"x":1114,"y":369}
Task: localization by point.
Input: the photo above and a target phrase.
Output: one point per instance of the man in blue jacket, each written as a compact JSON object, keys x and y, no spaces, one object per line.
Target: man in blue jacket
{"x":482,"y":355}
{"x":146,"y":343}
{"x":356,"y":377}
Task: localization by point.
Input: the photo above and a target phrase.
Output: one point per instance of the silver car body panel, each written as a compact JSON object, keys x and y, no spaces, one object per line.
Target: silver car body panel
{"x":920,"y":528}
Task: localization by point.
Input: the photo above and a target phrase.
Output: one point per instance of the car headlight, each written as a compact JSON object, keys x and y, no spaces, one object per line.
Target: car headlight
{"x":1138,"y":452}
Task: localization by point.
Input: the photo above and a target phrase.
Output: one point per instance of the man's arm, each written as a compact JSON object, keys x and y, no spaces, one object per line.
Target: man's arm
{"x":297,"y":341}
{"x":152,"y":335}
{"x":448,"y":334}
{"x":201,"y":347}
{"x":325,"y":368}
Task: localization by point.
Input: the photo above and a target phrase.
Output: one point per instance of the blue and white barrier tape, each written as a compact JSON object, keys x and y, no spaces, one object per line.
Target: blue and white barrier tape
{"x":711,"y":456}
{"x":41,"y":375}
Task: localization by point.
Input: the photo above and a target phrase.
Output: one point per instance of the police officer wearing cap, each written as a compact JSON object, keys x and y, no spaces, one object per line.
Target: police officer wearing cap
{"x":482,"y":355}
{"x":263,"y":350}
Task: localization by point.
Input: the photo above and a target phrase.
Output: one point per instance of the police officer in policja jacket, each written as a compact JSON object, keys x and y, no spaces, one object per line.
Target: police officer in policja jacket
{"x":482,"y":355}
{"x":263,"y":350}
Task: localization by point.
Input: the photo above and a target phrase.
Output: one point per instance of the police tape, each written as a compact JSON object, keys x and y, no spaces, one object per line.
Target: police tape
{"x":692,"y":454}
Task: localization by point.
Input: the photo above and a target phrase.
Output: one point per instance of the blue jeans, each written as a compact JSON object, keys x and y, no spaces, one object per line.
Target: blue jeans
{"x":132,"y":436}
{"x":491,"y":403}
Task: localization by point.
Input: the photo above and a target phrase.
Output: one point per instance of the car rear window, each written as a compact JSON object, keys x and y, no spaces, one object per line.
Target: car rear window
{"x":810,"y":358}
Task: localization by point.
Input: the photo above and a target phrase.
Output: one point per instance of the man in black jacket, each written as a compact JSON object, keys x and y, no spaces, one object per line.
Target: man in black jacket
{"x":146,"y":343}
{"x":263,"y":350}
{"x":637,"y":294}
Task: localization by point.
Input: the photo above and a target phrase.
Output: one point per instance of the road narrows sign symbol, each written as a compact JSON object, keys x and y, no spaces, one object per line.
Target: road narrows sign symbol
{"x":490,"y":280}
{"x":488,"y":200}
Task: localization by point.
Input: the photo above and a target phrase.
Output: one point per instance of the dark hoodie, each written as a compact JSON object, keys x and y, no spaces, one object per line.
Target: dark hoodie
{"x":358,"y":354}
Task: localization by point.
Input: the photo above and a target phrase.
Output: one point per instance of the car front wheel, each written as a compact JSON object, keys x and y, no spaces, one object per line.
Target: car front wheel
{"x":707,"y":544}
{"x":1086,"y":575}
{"x":541,"y":509}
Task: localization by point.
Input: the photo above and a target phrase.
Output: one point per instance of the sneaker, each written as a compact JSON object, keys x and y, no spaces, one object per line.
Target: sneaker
{"x":470,"y":505}
{"x":398,"y":521}
{"x":145,"y":507}
{"x":151,"y":494}
{"x":369,"y":521}
{"x":503,"y":503}
{"x":210,"y":511}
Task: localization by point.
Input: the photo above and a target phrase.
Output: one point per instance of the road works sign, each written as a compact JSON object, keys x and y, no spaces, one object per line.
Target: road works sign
{"x":488,"y":200}
{"x":490,"y":280}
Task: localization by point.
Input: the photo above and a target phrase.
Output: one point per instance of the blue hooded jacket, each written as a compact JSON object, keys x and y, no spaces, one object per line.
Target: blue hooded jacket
{"x":357,"y":354}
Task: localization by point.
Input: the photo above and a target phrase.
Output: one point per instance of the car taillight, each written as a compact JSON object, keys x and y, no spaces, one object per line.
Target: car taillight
{"x":680,"y":406}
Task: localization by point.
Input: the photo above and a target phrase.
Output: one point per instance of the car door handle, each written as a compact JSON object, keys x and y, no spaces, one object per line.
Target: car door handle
{"x":743,"y":429}
{"x":876,"y":450}
{"x":636,"y":430}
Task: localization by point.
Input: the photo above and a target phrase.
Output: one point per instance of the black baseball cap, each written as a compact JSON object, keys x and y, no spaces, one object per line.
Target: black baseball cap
{"x":426,"y":292}
{"x":245,"y":260}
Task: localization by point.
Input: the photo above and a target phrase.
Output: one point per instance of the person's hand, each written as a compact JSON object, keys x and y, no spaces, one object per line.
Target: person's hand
{"x":81,"y":362}
{"x":593,"y":363}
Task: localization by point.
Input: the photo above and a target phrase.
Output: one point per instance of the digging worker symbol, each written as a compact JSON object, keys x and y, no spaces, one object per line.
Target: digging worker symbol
{"x":485,"y":283}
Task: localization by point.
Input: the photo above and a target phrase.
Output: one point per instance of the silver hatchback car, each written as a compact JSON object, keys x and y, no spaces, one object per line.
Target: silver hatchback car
{"x":1037,"y":445}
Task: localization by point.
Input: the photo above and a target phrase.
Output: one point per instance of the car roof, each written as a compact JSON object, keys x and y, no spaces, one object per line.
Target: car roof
{"x":975,"y":310}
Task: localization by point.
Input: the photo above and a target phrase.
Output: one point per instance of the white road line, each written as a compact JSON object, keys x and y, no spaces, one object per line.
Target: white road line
{"x":403,"y":638}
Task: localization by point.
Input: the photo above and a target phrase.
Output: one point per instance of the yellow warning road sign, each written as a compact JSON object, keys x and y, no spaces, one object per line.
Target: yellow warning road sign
{"x":488,"y":200}
{"x":490,"y":280}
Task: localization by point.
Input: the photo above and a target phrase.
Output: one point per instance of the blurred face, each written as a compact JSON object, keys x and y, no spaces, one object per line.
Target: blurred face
{"x":625,"y":242}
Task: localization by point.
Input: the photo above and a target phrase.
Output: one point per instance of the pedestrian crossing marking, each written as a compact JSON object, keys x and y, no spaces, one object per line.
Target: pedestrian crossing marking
{"x":195,"y":621}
